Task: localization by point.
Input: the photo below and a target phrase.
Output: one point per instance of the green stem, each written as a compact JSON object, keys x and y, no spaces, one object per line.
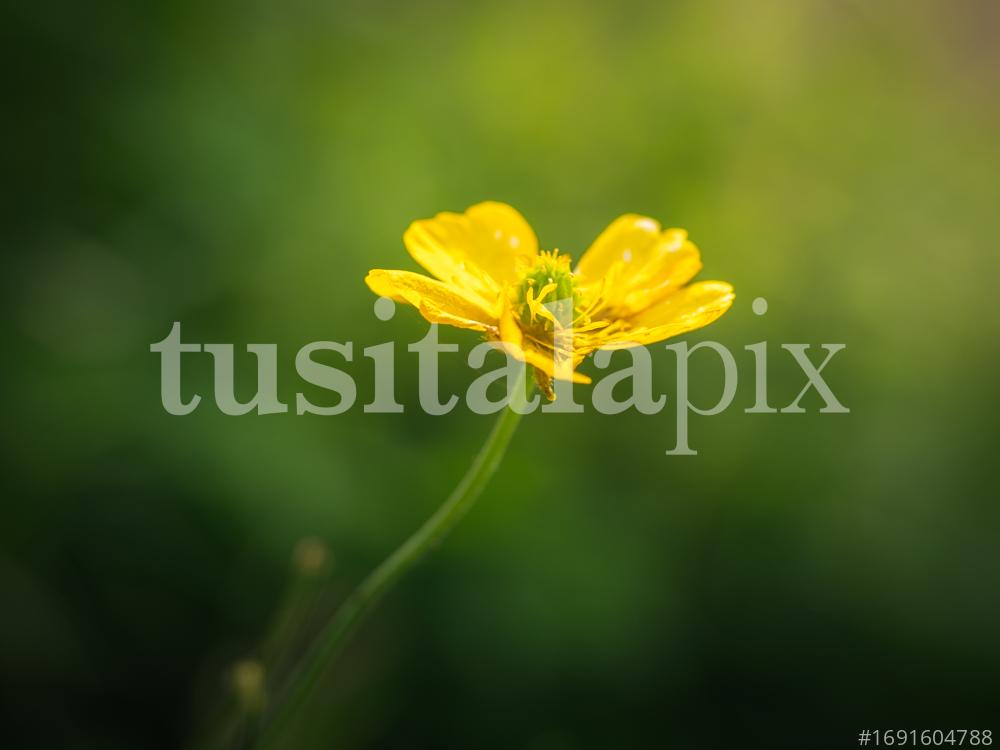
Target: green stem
{"x":237,"y":725}
{"x":331,"y":640}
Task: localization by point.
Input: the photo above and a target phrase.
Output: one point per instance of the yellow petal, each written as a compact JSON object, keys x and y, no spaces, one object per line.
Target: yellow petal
{"x":542,"y":360}
{"x":510,"y":332}
{"x":690,"y":308}
{"x":479,"y":250}
{"x":633,"y":264}
{"x":437,"y":302}
{"x":623,"y":240}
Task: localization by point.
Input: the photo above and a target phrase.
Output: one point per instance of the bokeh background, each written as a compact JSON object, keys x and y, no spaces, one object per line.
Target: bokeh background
{"x":238,"y":167}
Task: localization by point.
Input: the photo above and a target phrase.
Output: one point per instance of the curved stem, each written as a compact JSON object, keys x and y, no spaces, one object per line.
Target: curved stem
{"x":332,"y":638}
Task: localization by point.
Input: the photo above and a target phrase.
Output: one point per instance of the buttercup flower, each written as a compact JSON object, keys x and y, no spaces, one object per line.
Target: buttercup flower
{"x":629,"y":288}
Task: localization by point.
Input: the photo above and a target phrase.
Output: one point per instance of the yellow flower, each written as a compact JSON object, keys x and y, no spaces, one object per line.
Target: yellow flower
{"x":629,"y":288}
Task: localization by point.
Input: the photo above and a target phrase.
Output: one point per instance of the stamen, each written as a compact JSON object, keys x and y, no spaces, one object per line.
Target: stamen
{"x":547,"y":299}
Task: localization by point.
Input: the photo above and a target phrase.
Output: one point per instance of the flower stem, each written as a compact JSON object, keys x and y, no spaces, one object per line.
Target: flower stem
{"x":334,"y":635}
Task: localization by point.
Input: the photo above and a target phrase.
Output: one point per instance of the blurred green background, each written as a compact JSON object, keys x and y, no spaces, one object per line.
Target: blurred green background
{"x":238,"y":167}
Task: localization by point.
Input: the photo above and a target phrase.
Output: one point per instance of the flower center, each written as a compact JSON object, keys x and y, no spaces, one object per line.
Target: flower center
{"x":546,"y":297}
